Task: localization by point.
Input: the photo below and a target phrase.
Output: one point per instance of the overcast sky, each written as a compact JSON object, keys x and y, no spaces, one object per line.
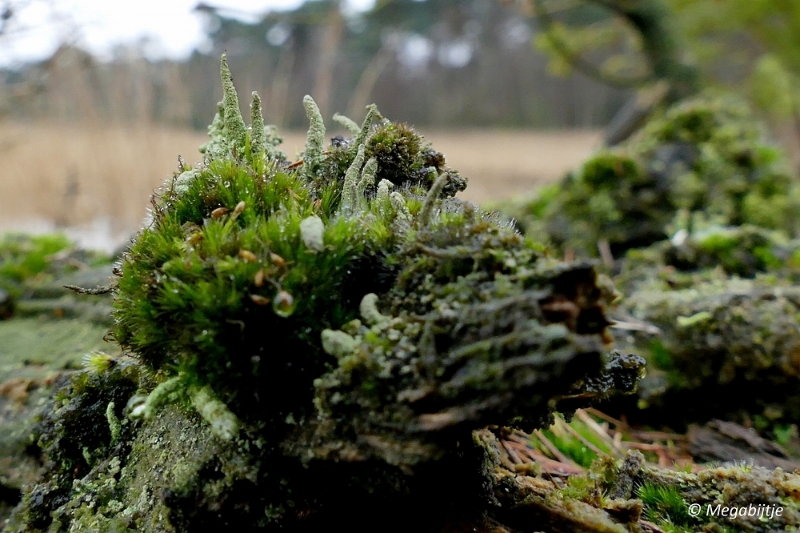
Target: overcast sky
{"x":99,"y":25}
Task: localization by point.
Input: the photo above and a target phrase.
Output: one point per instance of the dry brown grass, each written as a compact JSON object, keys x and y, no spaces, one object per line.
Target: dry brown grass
{"x":73,"y":176}
{"x":502,"y":164}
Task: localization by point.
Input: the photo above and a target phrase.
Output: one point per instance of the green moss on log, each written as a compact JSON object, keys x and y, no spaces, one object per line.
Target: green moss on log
{"x":703,"y":162}
{"x":314,"y":350}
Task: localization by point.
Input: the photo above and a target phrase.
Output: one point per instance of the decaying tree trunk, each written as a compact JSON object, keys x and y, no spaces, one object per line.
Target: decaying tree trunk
{"x":338,"y":343}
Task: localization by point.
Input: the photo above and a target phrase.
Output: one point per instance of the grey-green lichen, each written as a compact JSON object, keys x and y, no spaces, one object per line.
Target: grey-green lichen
{"x":166,"y":392}
{"x":312,"y":231}
{"x":430,"y":199}
{"x":367,"y":177}
{"x":217,"y":144}
{"x":224,"y":424}
{"x":383,"y":191}
{"x":235,"y":129}
{"x":315,"y":139}
{"x":258,"y":138}
{"x":337,"y":343}
{"x":114,"y":425}
{"x":348,"y":123}
{"x":369,"y":310}
{"x":372,"y":115}
{"x":399,"y":204}
{"x":350,"y":198}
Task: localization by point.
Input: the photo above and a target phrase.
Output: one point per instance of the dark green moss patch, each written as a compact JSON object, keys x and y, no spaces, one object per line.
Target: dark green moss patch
{"x":703,"y":162}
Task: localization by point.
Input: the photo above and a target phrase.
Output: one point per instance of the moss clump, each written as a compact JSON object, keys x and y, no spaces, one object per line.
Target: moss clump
{"x":231,"y":260}
{"x":28,"y":261}
{"x":23,"y":257}
{"x":714,"y":253}
{"x":598,"y":201}
{"x":702,"y":159}
{"x":664,"y":504}
{"x":403,"y":158}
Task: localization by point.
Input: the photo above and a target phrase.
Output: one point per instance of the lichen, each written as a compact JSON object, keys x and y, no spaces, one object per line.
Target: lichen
{"x":312,"y":231}
{"x":234,"y":127}
{"x":258,"y":138}
{"x":348,"y":123}
{"x":217,"y":144}
{"x":315,"y":140}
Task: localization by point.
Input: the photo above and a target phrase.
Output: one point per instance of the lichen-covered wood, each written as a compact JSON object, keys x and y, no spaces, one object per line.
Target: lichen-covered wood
{"x":313,"y":345}
{"x":712,"y":341}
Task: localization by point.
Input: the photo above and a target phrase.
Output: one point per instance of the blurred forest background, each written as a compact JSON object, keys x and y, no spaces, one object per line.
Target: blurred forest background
{"x":513,"y":92}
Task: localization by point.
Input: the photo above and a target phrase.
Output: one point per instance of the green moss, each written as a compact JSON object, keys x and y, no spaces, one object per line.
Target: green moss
{"x":712,"y":253}
{"x":24,"y":257}
{"x":704,"y":155}
{"x":664,"y":504}
{"x":581,"y":488}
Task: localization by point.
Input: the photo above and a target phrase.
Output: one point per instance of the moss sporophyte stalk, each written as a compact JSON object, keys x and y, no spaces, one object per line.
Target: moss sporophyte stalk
{"x":326,"y":333}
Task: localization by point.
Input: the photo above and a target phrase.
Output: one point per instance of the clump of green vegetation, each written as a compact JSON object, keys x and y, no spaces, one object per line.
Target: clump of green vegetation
{"x":252,"y":261}
{"x":713,"y":253}
{"x":23,"y":257}
{"x":740,"y":251}
{"x":327,"y":335}
{"x":664,"y":504}
{"x":403,"y":158}
{"x":702,"y":159}
{"x":30,"y":264}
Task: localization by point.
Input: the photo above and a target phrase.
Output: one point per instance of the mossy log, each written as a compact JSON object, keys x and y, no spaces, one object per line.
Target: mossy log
{"x":323,"y":344}
{"x":313,"y":344}
{"x":172,"y":473}
{"x":713,"y":340}
{"x":703,"y":162}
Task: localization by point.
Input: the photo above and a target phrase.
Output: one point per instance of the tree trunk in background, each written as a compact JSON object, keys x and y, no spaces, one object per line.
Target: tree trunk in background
{"x":329,"y":53}
{"x":366,"y":82}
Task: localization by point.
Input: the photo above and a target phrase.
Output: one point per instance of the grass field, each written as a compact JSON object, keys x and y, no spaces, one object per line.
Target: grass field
{"x":96,"y":182}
